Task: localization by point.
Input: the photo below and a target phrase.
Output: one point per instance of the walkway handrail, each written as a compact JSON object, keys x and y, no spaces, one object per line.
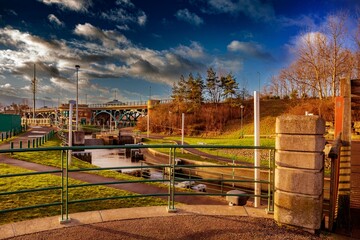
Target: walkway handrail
{"x":169,"y":169}
{"x":132,"y":146}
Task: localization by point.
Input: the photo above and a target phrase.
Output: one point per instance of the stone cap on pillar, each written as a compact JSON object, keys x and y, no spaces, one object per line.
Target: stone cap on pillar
{"x":300,"y":124}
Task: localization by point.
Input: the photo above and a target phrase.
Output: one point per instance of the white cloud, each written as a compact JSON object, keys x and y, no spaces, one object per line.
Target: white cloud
{"x":187,"y":16}
{"x":254,"y":9}
{"x":142,"y":18}
{"x":53,"y":19}
{"x":226,"y":64}
{"x":74,"y":5}
{"x":303,"y":21}
{"x":194,"y":51}
{"x":126,"y":12}
{"x":249,"y":48}
{"x":108,"y":38}
{"x":125,"y":3}
{"x":6,"y":85}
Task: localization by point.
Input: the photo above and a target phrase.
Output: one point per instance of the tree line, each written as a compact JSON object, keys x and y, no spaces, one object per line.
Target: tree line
{"x":322,"y":57}
{"x":214,"y":89}
{"x":209,"y":104}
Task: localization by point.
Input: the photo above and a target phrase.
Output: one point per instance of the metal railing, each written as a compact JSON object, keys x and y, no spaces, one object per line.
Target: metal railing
{"x":218,"y":183}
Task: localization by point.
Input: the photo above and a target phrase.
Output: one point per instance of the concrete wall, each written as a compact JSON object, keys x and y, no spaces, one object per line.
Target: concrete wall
{"x":299,"y":173}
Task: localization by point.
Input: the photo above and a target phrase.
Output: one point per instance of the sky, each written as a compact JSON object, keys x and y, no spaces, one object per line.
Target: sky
{"x":131,"y":50}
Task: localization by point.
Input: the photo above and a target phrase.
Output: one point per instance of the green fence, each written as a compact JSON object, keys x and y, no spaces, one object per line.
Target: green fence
{"x":224,"y":177}
{"x":10,"y":122}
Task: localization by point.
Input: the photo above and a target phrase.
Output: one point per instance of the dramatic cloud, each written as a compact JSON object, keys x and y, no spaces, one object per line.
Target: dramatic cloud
{"x":192,"y":18}
{"x":125,"y":13}
{"x":194,"y":51}
{"x":108,"y":38}
{"x":303,"y":21}
{"x":254,"y":9}
{"x":6,"y":86}
{"x":53,"y":19}
{"x":74,"y":5}
{"x":104,"y":55}
{"x":249,"y":48}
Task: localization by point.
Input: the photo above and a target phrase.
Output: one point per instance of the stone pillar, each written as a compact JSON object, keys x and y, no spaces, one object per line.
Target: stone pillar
{"x":299,"y":172}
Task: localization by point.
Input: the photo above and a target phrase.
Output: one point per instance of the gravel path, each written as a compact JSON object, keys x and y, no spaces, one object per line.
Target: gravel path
{"x":178,"y":227}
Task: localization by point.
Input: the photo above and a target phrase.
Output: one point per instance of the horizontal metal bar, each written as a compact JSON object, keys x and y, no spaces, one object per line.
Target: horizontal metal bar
{"x":217,"y":194}
{"x":117,"y":182}
{"x":114,"y":168}
{"x":31,"y":207}
{"x":221,"y":166}
{"x":29,"y":173}
{"x":130,"y":146}
{"x":222,"y":180}
{"x":119,"y":197}
{"x":30,"y":190}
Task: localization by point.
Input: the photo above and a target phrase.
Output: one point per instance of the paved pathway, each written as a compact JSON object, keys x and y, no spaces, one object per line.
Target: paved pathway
{"x":190,"y":222}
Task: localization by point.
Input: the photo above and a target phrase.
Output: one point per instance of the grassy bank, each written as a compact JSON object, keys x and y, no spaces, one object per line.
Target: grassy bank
{"x":42,"y":197}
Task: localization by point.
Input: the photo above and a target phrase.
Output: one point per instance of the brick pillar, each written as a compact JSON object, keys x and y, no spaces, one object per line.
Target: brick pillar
{"x":299,"y":173}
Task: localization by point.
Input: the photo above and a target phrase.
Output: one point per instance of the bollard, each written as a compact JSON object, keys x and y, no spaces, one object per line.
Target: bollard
{"x":11,"y":147}
{"x":20,"y":144}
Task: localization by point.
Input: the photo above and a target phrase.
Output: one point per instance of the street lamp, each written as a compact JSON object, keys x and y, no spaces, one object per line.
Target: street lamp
{"x":259,"y":80}
{"x":241,"y":124}
{"x":77,"y":96}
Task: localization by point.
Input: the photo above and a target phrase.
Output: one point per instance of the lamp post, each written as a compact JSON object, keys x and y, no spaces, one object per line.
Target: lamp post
{"x":77,"y":96}
{"x":259,"y":80}
{"x":241,"y":123}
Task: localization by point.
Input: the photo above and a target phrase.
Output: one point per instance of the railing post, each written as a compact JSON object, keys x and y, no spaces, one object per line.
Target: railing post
{"x":222,"y":183}
{"x":271,"y":182}
{"x":171,"y":200}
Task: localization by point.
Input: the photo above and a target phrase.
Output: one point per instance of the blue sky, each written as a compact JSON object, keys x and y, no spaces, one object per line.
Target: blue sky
{"x":124,"y":47}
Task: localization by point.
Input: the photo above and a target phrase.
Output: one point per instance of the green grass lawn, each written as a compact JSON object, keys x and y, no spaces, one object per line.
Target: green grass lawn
{"x":40,"y":181}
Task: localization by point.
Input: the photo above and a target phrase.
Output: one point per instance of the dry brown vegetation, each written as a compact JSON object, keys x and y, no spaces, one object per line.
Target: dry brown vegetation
{"x":224,"y":118}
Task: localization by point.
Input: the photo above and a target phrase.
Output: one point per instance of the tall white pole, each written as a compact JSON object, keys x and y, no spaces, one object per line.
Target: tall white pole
{"x":71,"y":104}
{"x":257,"y":189}
{"x":77,"y":96}
{"x":182,"y":130}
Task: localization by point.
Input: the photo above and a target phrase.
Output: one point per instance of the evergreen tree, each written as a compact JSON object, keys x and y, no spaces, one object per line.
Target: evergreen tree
{"x":213,"y":86}
{"x":228,"y":86}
